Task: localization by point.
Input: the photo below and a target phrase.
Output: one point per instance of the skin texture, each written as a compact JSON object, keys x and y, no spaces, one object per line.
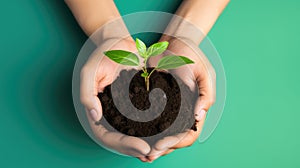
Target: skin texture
{"x":202,"y":14}
{"x":202,"y":73}
{"x":96,"y":73}
{"x":92,"y":14}
{"x":182,"y":38}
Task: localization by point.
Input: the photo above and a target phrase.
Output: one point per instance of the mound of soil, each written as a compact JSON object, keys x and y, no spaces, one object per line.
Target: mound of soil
{"x":179,"y":106}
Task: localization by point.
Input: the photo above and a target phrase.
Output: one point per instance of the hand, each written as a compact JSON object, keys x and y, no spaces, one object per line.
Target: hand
{"x":200,"y":73}
{"x":97,"y":73}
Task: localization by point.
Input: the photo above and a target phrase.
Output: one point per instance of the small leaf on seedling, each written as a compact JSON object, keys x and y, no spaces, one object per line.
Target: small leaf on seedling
{"x":144,"y":74}
{"x":141,"y":47}
{"x":173,"y":61}
{"x":157,"y":48}
{"x":123,"y":57}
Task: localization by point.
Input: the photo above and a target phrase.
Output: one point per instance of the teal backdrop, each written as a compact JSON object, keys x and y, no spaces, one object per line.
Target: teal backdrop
{"x":258,"y":42}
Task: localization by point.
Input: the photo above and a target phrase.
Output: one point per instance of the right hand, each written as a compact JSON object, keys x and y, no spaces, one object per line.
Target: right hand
{"x":200,"y":76}
{"x":98,"y":72}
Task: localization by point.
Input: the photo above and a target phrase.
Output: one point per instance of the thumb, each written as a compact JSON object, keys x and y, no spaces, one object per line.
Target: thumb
{"x":88,"y":95}
{"x":207,"y":93}
{"x":202,"y":106}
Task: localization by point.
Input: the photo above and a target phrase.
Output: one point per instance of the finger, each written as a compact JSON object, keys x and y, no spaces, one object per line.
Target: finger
{"x":168,"y":152}
{"x":178,"y":141}
{"x":90,"y":83}
{"x":124,"y":144}
{"x":143,"y":159}
{"x":88,"y":94}
{"x":168,"y":142}
{"x":201,"y":108}
{"x":152,"y":158}
{"x":206,"y":81}
{"x":127,"y":145}
{"x":133,"y":146}
{"x":162,"y":147}
{"x":154,"y":154}
{"x":190,"y":137}
{"x":187,"y":141}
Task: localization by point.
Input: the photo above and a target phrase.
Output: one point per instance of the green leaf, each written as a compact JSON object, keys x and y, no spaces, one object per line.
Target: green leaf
{"x":141,"y":47}
{"x":157,"y":48}
{"x":123,"y":57}
{"x":144,"y":74}
{"x":173,"y":61}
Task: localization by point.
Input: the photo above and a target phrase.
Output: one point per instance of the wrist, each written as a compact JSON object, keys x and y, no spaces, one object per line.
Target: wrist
{"x":179,"y":28}
{"x":113,"y":29}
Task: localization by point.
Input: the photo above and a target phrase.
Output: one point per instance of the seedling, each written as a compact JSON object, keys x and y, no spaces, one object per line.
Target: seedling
{"x":131,"y":59}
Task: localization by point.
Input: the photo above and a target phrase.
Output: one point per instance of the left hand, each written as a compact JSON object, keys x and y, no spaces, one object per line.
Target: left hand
{"x":201,"y":76}
{"x":97,"y":73}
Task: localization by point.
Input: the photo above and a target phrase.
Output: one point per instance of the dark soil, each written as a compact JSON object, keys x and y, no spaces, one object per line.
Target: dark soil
{"x":177,"y":96}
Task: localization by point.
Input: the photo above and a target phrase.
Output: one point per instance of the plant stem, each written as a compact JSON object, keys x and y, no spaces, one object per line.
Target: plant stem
{"x":145,"y":64}
{"x":151,"y":72}
{"x":147,"y":79}
{"x":147,"y":83}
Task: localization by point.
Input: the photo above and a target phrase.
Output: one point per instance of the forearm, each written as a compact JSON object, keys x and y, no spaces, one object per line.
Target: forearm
{"x":196,"y":18}
{"x":202,"y":13}
{"x":92,"y":14}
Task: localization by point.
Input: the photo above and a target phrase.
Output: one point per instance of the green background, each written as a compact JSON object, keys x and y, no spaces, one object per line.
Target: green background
{"x":258,"y":42}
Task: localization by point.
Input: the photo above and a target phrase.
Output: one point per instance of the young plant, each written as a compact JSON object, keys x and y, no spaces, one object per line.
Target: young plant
{"x":131,"y":59}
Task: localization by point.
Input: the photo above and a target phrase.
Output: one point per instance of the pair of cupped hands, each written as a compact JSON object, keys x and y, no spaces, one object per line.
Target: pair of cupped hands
{"x":99,"y":71}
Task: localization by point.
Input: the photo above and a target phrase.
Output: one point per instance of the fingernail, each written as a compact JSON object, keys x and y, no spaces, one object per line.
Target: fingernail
{"x":94,"y":115}
{"x":197,"y":116}
{"x":202,"y":114}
